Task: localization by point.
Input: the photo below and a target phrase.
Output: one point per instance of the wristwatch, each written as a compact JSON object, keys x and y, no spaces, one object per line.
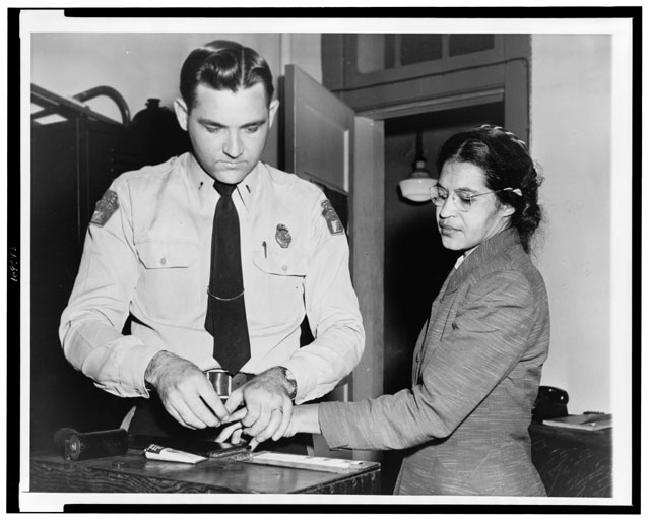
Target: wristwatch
{"x":290,"y":383}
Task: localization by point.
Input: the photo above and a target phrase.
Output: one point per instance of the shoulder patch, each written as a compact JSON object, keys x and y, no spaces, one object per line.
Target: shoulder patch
{"x":105,"y":208}
{"x":333,"y":223}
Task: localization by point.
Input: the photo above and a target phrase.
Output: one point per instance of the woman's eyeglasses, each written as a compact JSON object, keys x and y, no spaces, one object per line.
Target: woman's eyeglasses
{"x":463,"y":199}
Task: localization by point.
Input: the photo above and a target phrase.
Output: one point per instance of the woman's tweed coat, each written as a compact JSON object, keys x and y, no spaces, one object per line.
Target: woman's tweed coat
{"x":476,"y":370}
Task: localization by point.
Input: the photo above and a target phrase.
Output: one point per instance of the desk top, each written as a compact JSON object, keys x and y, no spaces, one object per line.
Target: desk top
{"x":132,"y":472}
{"x":602,"y":438}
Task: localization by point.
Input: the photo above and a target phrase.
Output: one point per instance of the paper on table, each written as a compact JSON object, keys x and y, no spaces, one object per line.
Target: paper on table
{"x":156,"y":452}
{"x":583,"y":422}
{"x":307,"y":462}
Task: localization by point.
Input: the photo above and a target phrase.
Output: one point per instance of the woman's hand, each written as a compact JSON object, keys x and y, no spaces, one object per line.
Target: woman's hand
{"x":304,"y":419}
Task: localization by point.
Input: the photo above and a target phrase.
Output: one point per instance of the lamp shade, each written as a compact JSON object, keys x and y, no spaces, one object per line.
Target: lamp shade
{"x":419,"y":183}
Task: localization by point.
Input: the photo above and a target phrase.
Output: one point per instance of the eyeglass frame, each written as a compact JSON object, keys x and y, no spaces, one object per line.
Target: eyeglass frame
{"x":470,"y":196}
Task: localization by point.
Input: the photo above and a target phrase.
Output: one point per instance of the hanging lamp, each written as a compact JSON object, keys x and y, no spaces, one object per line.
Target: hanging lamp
{"x":418,"y":185}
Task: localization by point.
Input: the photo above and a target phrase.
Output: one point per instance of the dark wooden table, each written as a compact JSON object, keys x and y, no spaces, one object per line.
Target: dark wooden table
{"x":573,"y":463}
{"x":133,"y":473}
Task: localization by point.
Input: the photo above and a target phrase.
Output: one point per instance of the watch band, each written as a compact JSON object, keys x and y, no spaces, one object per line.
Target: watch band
{"x":290,"y":383}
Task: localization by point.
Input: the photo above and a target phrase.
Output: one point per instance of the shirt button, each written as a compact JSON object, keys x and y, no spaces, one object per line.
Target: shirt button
{"x":163,"y":261}
{"x":284,"y":268}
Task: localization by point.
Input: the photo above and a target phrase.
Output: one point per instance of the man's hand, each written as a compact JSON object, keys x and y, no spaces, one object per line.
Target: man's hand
{"x":185,"y":391}
{"x":268,"y":407}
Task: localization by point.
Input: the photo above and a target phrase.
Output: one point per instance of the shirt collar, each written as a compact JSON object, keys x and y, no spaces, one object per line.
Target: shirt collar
{"x":462,"y":257}
{"x":247,"y":187}
{"x":200,"y":179}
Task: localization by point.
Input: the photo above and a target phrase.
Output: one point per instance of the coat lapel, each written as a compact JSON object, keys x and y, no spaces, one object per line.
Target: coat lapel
{"x":480,"y":256}
{"x":425,"y":340}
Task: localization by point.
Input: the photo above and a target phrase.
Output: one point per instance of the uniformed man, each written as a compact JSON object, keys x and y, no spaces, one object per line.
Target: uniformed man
{"x":217,"y":257}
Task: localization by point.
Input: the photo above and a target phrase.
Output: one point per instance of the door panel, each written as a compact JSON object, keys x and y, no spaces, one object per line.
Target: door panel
{"x":318,"y":131}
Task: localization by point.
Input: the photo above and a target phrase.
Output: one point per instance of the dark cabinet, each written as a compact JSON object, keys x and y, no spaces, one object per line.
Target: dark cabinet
{"x":572,"y":463}
{"x":71,"y":166}
{"x":75,"y":155}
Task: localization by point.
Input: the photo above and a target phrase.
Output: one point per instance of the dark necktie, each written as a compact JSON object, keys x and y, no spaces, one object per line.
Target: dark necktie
{"x":225,"y":319}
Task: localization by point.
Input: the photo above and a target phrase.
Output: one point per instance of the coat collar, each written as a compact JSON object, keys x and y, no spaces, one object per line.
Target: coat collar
{"x":483,"y":254}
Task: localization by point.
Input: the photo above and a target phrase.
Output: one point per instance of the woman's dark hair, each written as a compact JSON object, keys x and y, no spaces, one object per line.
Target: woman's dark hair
{"x":507,"y":164}
{"x":224,"y":65}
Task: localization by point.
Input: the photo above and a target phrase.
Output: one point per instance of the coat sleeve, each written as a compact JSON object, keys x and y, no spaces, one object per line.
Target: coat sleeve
{"x":488,"y":337}
{"x":332,"y":309}
{"x":91,"y":324}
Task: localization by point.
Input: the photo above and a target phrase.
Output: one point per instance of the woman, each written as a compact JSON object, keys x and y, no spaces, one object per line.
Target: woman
{"x":477,"y":361}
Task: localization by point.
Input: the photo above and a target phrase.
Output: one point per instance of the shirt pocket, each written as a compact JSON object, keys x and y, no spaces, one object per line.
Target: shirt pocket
{"x":156,"y":254}
{"x":281,"y":263}
{"x":280,"y":276}
{"x":168,"y":287}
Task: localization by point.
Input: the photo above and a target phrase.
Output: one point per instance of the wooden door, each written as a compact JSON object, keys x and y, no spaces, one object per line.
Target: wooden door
{"x":318,"y":131}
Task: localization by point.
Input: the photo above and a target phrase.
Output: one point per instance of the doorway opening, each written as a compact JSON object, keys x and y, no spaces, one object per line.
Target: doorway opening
{"x":415,"y":263}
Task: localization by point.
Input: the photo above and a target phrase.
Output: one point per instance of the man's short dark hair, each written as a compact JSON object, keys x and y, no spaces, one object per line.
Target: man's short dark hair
{"x":224,"y":65}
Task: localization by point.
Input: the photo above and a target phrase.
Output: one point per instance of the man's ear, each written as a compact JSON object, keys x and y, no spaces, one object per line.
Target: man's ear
{"x":273,"y":109}
{"x":181,"y":113}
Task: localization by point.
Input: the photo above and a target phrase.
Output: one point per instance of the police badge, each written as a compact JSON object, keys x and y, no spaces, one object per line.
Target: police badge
{"x":282,"y":235}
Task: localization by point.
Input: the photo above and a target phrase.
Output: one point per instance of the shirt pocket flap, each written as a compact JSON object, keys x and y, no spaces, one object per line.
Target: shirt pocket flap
{"x":281,"y":263}
{"x":167,"y":254}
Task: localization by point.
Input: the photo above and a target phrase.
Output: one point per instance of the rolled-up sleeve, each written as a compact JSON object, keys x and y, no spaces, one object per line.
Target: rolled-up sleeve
{"x":91,"y":324}
{"x":332,"y":310}
{"x":487,"y":339}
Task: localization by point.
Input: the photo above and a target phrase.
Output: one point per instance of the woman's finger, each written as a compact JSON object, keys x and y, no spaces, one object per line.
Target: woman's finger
{"x":287,"y":408}
{"x":275,"y":421}
{"x":227,"y":432}
{"x":236,"y":416}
